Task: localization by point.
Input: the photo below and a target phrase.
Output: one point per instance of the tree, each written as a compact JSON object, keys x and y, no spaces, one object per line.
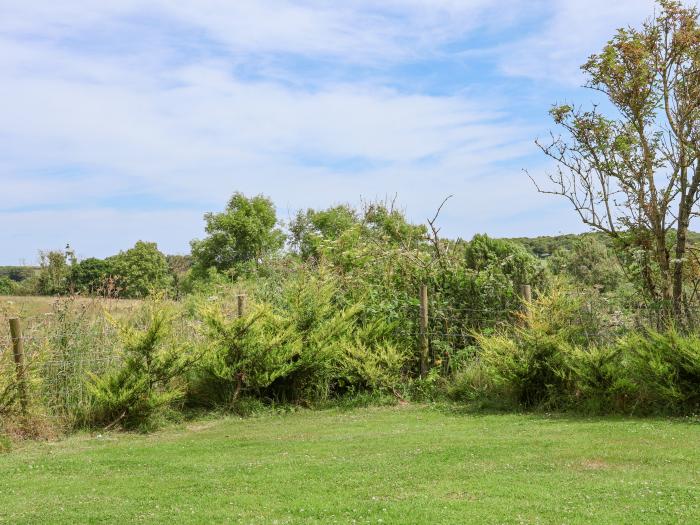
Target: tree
{"x":140,"y":270}
{"x":245,"y":232}
{"x":54,"y":273}
{"x":17,"y":273}
{"x":511,"y":259}
{"x":635,"y":175}
{"x":179,"y":266}
{"x":312,"y":227}
{"x":479,"y":284}
{"x":7,"y":287}
{"x":90,"y":275}
{"x":590,"y":262}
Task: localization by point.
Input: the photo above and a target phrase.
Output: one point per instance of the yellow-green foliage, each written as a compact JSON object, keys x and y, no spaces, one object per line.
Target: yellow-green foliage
{"x":530,"y":368}
{"x":133,"y":392}
{"x":548,"y":361}
{"x":252,"y":351}
{"x":662,"y":371}
{"x":527,"y":365}
{"x":370,"y":360}
{"x":304,"y":346}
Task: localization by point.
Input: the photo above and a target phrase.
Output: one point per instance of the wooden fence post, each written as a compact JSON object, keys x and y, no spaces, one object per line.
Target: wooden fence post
{"x":526,"y":296}
{"x":241,"y":304}
{"x":18,"y":353}
{"x":424,"y":343}
{"x":526,"y":292}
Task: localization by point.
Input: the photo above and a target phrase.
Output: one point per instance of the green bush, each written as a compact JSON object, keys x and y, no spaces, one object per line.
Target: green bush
{"x":529,"y":370}
{"x":370,"y":361}
{"x":424,"y":389}
{"x":135,"y":392}
{"x":472,"y":382}
{"x":599,"y":381}
{"x":662,"y":372}
{"x":7,"y":286}
{"x":249,"y":353}
{"x":304,"y":343}
{"x":549,"y":363}
{"x":530,"y":365}
{"x":140,"y":271}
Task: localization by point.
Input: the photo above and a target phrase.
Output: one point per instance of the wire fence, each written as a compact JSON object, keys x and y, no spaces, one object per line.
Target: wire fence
{"x":58,"y":352}
{"x":64,"y":348}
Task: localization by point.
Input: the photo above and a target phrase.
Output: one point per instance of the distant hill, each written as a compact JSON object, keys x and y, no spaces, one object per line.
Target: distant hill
{"x":544,"y":246}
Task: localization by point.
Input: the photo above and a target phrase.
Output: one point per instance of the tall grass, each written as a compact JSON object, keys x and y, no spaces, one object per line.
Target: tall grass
{"x":307,"y":343}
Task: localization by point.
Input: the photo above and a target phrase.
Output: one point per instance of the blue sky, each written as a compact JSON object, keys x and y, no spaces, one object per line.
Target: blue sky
{"x":128,"y":120}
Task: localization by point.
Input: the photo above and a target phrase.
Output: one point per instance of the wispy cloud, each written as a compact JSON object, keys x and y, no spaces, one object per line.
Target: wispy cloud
{"x":118,"y":114}
{"x":571,"y":31}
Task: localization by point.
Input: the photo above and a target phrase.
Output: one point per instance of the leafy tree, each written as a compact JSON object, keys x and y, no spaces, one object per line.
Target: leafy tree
{"x":635,"y":174}
{"x":17,"y":273}
{"x":545,"y":246}
{"x":90,"y":275}
{"x":480,"y":283}
{"x":140,"y":270}
{"x":54,"y":273}
{"x":589,"y":262}
{"x":311,"y":227}
{"x":179,"y":266}
{"x":243,"y":233}
{"x":6,"y":286}
{"x":512,"y":260}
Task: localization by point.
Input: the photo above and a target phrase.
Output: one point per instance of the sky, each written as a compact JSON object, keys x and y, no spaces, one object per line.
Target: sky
{"x":128,"y":120}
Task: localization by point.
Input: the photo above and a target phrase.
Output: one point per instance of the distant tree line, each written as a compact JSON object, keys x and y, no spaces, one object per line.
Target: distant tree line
{"x":133,"y":273}
{"x":246,"y":239}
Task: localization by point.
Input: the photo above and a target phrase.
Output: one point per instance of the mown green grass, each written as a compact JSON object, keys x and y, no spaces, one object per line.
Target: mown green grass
{"x":377,"y":465}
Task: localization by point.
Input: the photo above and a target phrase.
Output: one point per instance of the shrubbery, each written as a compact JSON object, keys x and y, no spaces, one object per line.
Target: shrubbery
{"x":7,"y":287}
{"x":306,"y":346}
{"x":146,"y":381}
{"x":336,"y":318}
{"x":545,"y":365}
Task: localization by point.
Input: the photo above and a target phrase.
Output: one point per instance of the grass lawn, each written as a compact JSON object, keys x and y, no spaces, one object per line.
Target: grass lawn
{"x":377,"y":465}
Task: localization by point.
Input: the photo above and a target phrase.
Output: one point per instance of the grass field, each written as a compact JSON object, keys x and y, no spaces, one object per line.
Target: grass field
{"x":377,"y":465}
{"x":31,"y":306}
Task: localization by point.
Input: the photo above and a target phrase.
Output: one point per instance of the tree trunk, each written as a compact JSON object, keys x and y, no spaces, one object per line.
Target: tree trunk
{"x":662,"y":258}
{"x":681,"y":246}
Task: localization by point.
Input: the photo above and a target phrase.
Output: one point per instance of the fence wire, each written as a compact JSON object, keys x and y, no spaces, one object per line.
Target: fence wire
{"x":61,"y":352}
{"x":66,"y":347}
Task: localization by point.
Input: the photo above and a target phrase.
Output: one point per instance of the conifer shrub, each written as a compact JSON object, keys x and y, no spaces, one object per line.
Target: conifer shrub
{"x":147,"y":381}
{"x":661,"y":372}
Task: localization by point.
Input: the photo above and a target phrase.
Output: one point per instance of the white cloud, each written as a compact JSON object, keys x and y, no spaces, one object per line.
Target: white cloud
{"x":213,"y":128}
{"x":107,"y":100}
{"x":353,"y":30}
{"x":572,"y":31}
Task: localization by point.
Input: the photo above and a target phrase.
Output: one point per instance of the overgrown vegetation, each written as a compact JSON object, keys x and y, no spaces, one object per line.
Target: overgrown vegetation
{"x":633,"y":174}
{"x":337,"y":317}
{"x":332,"y":307}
